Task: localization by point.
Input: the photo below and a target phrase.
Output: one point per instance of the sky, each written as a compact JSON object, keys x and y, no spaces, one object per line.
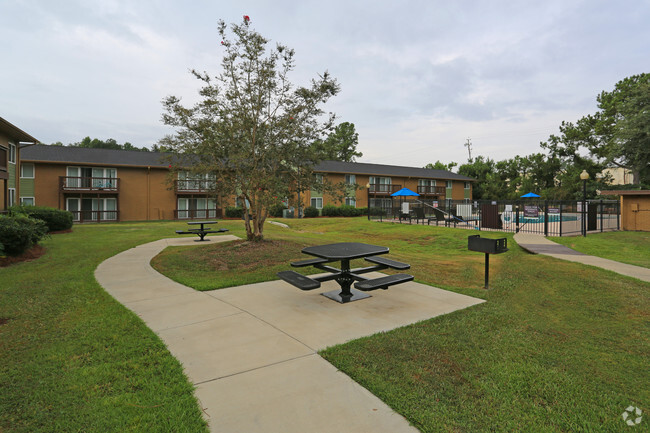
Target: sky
{"x":418,"y":78}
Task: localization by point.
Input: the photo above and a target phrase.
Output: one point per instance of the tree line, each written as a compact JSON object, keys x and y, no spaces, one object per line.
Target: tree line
{"x":617,"y":135}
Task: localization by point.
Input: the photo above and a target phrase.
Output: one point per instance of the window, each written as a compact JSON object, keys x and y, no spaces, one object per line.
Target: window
{"x":27,"y":171}
{"x":319,"y":177}
{"x":317,"y":202}
{"x":449,"y":184}
{"x":467,"y":185}
{"x":11,"y":197}
{"x":27,"y":201}
{"x":350,"y":179}
{"x":351,"y":201}
{"x":3,"y":159}
{"x":426,"y":182}
{"x":12,"y":153}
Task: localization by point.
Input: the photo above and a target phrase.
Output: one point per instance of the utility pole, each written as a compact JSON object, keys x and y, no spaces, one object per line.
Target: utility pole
{"x":468,"y":145}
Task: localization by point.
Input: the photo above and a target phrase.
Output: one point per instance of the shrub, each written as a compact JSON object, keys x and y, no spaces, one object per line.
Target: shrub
{"x":311,"y":212}
{"x":234,"y":212}
{"x":331,"y":211}
{"x":276,"y":210}
{"x":18,"y":233}
{"x":56,"y":219}
{"x":349,"y":211}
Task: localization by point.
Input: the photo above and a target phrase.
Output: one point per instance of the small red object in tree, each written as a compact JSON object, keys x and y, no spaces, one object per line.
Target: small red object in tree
{"x":247,"y":18}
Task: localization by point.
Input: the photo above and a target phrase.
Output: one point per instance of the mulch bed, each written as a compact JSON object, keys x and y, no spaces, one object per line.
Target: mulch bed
{"x":32,"y":254}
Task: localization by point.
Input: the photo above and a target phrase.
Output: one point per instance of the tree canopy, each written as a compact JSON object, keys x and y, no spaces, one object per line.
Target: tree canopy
{"x":96,"y":143}
{"x":340,"y":145}
{"x":618,"y":134}
{"x":253,"y":130}
{"x":441,"y":166}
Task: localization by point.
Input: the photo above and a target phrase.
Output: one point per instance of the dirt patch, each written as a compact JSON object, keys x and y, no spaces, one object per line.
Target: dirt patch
{"x":3,"y":320}
{"x":32,"y":254}
{"x":59,"y":232}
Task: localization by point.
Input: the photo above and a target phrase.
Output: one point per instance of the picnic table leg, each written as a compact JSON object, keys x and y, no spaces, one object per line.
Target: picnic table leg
{"x":345,"y":280}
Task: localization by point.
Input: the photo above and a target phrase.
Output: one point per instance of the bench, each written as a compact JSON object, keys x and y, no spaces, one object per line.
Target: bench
{"x":298,"y":280}
{"x":383,"y":282}
{"x":309,"y":262}
{"x":388,"y":262}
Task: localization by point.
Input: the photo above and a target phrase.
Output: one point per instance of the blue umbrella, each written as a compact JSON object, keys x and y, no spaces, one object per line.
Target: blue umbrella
{"x":405,"y":192}
{"x":529,"y":195}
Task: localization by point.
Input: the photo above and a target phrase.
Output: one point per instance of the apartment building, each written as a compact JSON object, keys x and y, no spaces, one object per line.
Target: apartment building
{"x":12,"y":141}
{"x":116,"y":185}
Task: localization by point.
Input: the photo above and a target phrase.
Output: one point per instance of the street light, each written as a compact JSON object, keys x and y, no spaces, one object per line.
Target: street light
{"x":584,"y":176}
{"x":368,"y":198}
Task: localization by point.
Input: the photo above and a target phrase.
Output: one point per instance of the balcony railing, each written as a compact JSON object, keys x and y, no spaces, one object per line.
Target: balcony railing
{"x":196,"y":214}
{"x":376,"y":188}
{"x":194,"y":186}
{"x":96,"y":216}
{"x":95,"y":184}
{"x":431,"y":190}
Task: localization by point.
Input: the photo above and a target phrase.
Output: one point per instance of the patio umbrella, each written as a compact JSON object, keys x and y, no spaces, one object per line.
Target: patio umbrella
{"x":405,"y":192}
{"x":529,"y":195}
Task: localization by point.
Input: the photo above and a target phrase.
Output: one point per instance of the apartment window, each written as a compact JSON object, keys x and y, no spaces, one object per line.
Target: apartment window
{"x":12,"y":153}
{"x":449,"y":184}
{"x":426,"y":182}
{"x":11,"y":196}
{"x":467,"y":185}
{"x":3,"y":159}
{"x":27,"y":201}
{"x":319,"y":177}
{"x":317,"y":202}
{"x":27,"y":171}
{"x":351,"y":201}
{"x":350,"y":179}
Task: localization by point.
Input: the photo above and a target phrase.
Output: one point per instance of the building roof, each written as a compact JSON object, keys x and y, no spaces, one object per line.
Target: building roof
{"x":627,"y":192}
{"x":388,"y":170}
{"x":113,"y":157}
{"x":84,"y":155}
{"x":15,"y":133}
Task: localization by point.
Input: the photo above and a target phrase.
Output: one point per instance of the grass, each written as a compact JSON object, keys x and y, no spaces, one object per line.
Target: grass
{"x":557,"y":347}
{"x":74,"y":359}
{"x":625,"y":247}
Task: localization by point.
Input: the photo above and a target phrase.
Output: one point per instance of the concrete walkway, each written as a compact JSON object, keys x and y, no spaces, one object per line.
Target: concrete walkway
{"x":538,"y":244}
{"x":251,"y":350}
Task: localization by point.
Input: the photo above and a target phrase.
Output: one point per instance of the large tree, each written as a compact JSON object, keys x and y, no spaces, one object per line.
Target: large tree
{"x":253,"y":131}
{"x":340,"y":144}
{"x":618,"y":133}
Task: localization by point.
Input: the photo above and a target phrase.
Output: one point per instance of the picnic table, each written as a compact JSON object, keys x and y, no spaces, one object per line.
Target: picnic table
{"x":344,"y":252}
{"x":200,"y":232}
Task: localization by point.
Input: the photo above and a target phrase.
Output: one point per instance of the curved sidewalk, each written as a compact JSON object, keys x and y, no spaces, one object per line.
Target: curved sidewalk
{"x":538,"y":244}
{"x":251,"y":351}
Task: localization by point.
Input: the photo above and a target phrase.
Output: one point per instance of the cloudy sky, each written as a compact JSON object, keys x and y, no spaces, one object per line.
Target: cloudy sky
{"x":418,"y":78}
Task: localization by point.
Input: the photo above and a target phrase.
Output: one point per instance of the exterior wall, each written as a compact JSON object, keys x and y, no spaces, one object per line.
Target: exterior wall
{"x":635,"y":212}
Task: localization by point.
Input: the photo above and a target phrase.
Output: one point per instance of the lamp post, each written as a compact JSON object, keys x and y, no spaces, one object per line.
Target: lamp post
{"x":584,"y":176}
{"x":368,"y":198}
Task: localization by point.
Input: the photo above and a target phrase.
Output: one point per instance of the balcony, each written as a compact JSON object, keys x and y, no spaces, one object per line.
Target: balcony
{"x":431,"y":190}
{"x":198,"y":186}
{"x":383,"y":189}
{"x":89,"y":184}
{"x":95,"y":216}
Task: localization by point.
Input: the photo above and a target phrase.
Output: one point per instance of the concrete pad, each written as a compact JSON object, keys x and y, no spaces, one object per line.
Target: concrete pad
{"x":302,"y":395}
{"x":178,"y":310}
{"x":229,"y":345}
{"x":190,"y":240}
{"x":320,"y":322}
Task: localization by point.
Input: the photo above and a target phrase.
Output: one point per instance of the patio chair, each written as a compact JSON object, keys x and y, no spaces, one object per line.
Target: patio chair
{"x":418,"y":214}
{"x":441,"y":216}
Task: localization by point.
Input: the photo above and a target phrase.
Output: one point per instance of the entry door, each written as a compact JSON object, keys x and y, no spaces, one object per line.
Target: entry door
{"x":72,"y":204}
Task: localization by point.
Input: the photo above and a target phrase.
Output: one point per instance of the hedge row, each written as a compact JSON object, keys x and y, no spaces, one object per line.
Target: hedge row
{"x":18,"y":233}
{"x":56,"y":219}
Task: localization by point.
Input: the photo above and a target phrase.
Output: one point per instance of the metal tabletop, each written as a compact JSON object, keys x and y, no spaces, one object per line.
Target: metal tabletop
{"x":345,"y":251}
{"x":202,"y":222}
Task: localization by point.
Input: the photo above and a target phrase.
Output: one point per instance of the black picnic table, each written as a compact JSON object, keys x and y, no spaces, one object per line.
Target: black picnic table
{"x":344,"y":252}
{"x":202,"y":231}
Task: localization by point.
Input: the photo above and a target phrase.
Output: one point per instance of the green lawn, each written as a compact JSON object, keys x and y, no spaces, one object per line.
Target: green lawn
{"x":557,"y":347}
{"x":625,"y":247}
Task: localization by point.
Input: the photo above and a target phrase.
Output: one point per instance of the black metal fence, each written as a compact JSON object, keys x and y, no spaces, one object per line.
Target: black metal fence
{"x":546,"y":217}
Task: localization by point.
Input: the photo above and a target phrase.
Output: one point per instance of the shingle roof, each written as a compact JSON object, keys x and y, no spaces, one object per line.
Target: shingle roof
{"x":112,"y":157}
{"x":83,"y":155}
{"x":14,"y":132}
{"x":388,"y":170}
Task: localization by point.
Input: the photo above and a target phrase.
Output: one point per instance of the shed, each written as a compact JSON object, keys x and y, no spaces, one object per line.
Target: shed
{"x":635,"y":209}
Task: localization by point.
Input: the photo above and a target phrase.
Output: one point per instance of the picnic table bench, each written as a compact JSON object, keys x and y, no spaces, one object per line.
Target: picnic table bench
{"x":344,"y":252}
{"x":200,"y":232}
